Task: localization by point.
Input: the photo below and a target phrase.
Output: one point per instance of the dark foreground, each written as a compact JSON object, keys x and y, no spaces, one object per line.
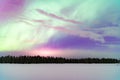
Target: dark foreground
{"x":40,"y":59}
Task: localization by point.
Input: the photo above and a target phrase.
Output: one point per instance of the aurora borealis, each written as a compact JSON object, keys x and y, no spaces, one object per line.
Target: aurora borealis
{"x":68,"y":28}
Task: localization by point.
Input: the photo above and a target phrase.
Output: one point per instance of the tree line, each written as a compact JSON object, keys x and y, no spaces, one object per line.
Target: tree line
{"x":42,"y":59}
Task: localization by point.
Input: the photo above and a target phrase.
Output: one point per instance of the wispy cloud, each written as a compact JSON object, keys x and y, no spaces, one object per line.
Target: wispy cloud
{"x":58,"y":17}
{"x":80,"y":33}
{"x":64,"y":28}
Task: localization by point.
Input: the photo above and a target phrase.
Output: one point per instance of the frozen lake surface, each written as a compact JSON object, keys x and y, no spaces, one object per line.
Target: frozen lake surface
{"x":59,"y":71}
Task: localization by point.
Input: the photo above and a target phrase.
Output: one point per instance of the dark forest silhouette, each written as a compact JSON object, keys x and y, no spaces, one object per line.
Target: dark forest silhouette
{"x":41,"y":59}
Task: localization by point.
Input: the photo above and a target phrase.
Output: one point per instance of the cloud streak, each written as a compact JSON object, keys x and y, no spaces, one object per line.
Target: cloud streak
{"x":57,"y":17}
{"x":80,"y":33}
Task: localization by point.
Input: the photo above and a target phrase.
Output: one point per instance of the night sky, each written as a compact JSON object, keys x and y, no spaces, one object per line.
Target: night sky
{"x":67,"y":28}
